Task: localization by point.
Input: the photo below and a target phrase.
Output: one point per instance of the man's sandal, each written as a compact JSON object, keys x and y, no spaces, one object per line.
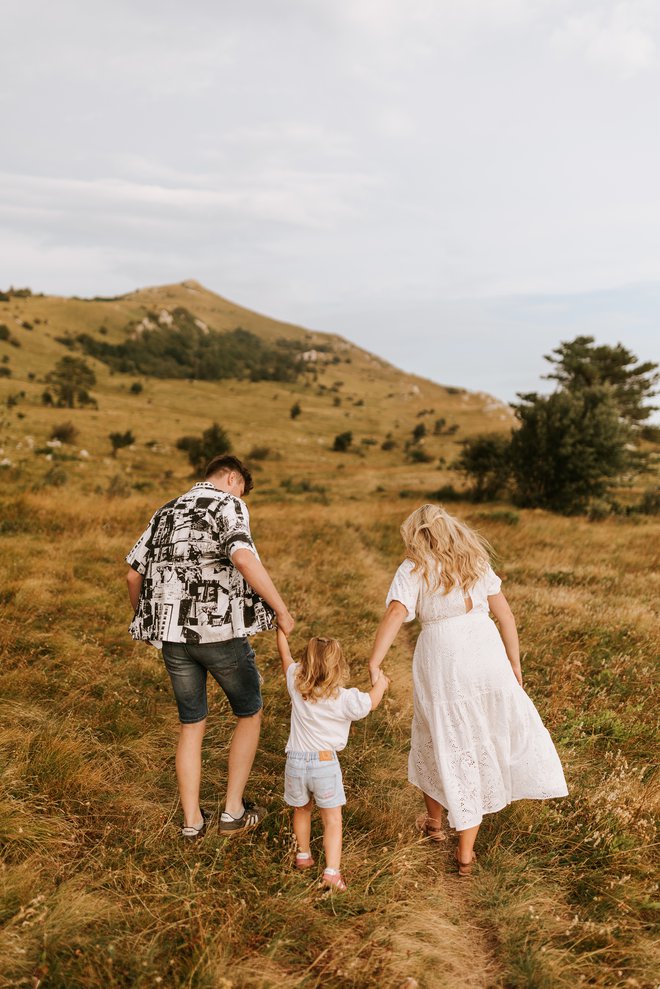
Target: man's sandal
{"x":429,"y":830}
{"x":334,"y":880}
{"x":251,"y":816}
{"x":465,"y":868}
{"x":192,"y":833}
{"x":303,"y":861}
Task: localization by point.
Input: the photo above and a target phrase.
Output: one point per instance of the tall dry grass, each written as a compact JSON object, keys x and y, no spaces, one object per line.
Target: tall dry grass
{"x":97,"y":888}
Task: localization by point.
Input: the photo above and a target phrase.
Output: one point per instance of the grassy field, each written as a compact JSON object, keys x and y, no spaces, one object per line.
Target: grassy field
{"x":96,"y":888}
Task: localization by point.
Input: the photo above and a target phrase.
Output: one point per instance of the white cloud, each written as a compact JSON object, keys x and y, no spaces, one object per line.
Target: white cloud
{"x":619,"y":37}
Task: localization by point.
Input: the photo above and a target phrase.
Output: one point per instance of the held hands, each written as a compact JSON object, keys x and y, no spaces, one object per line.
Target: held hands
{"x":284,"y":621}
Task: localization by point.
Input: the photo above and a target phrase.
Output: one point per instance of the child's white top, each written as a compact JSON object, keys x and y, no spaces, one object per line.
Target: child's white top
{"x":323,"y":724}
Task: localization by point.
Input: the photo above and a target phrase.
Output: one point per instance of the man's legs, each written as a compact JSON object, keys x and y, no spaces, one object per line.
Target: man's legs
{"x":242,"y":751}
{"x":189,"y":771}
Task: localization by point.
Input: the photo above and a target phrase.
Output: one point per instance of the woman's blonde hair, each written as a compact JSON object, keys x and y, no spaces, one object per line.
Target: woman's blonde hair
{"x":432,"y":536}
{"x":322,"y":670}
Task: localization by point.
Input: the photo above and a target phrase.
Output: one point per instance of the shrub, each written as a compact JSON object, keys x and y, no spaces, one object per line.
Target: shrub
{"x":200,"y":449}
{"x":650,"y":502}
{"x":295,"y":410}
{"x":486,"y":462}
{"x":47,"y":398}
{"x":136,"y":388}
{"x":5,"y":372}
{"x":119,"y":440}
{"x":259,"y":453}
{"x":71,"y":378}
{"x":419,"y":456}
{"x":418,"y":432}
{"x":65,"y":432}
{"x":447,"y":493}
{"x":439,"y":426}
{"x":343,"y":441}
{"x":388,"y":443}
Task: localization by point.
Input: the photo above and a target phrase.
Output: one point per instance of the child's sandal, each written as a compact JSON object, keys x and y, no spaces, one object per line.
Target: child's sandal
{"x":334,"y":881}
{"x":303,"y":862}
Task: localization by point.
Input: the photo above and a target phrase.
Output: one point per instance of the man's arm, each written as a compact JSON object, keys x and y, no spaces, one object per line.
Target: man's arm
{"x":259,"y":580}
{"x":134,"y":581}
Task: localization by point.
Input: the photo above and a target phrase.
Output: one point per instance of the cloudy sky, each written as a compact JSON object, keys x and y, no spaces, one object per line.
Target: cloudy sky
{"x":455,"y":184}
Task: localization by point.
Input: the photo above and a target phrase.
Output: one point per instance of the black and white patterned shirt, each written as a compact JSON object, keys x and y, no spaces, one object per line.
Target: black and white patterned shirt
{"x":191,"y":591}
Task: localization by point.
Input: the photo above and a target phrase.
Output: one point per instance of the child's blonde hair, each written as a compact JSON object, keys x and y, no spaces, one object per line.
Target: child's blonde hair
{"x":323,"y":669}
{"x":431,"y":536}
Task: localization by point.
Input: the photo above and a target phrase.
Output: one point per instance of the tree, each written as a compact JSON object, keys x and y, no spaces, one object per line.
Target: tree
{"x":200,"y":449}
{"x":71,"y":379}
{"x":579,"y":364}
{"x":120,"y":440}
{"x":486,"y":461}
{"x":295,"y":410}
{"x":568,"y":447}
{"x":342,"y":442}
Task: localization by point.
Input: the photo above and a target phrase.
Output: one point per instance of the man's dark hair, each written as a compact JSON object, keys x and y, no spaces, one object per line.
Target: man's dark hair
{"x":225,"y":463}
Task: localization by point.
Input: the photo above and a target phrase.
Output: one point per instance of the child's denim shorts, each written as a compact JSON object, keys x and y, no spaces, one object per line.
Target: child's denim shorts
{"x":313,"y":774}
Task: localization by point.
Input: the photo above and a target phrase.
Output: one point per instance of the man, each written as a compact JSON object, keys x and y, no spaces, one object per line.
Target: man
{"x":199,"y":590}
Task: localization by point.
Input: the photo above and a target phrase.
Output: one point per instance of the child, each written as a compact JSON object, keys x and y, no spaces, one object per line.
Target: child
{"x":321,"y":714}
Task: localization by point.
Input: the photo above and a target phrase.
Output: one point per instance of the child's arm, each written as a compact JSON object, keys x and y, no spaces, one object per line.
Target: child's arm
{"x":378,"y":689}
{"x":283,"y":649}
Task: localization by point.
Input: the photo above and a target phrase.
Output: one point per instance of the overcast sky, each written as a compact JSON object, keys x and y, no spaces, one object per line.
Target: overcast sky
{"x":455,"y":184}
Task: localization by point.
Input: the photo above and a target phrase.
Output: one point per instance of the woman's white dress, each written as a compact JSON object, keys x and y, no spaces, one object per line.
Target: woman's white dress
{"x":477,"y":742}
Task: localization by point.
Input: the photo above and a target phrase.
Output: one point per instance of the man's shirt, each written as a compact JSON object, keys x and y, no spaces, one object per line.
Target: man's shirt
{"x":191,"y":591}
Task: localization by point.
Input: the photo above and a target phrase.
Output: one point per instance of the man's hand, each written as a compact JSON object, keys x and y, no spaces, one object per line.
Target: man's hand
{"x":284,"y":621}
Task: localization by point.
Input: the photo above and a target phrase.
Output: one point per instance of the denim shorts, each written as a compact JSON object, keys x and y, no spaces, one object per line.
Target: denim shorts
{"x":307,"y":775}
{"x":230,"y":663}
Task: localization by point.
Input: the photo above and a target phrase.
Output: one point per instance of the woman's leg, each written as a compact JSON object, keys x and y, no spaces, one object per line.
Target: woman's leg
{"x":302,"y":826}
{"x":466,"y":840}
{"x":331,"y":817}
{"x":189,"y":771}
{"x":435,"y":813}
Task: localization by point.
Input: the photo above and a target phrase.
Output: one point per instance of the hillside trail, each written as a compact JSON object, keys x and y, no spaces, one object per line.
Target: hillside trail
{"x":427,"y":930}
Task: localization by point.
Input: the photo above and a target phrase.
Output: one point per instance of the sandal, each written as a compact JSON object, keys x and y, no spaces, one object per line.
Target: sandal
{"x":303,"y":861}
{"x":429,"y":830}
{"x":192,"y":833}
{"x":251,"y":816}
{"x":334,"y":881}
{"x":465,"y":868}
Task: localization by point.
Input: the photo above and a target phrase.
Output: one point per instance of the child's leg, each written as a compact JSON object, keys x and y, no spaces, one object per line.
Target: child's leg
{"x":302,"y":825}
{"x":331,"y":817}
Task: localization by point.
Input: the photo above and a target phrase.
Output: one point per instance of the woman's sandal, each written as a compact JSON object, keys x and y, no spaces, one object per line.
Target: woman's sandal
{"x":465,"y":868}
{"x":303,"y":862}
{"x":429,"y":830}
{"x":334,"y":881}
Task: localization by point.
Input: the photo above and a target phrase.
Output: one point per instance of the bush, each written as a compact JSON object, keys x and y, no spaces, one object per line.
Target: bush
{"x":418,"y":432}
{"x":295,"y":410}
{"x":650,"y":502}
{"x":136,"y":388}
{"x":259,"y":453}
{"x":388,"y":444}
{"x":486,"y":462}
{"x":200,"y":449}
{"x":71,"y":378}
{"x":447,"y":493}
{"x":419,"y":456}
{"x":66,"y":432}
{"x":342,"y":441}
{"x":47,"y":398}
{"x":439,"y":426}
{"x":119,"y":440}
{"x":5,"y":372}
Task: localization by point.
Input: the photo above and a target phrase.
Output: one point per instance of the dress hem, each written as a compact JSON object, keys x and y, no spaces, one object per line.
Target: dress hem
{"x":495,"y":810}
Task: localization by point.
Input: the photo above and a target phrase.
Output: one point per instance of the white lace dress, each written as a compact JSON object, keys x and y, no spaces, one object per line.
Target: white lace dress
{"x":477,"y":742}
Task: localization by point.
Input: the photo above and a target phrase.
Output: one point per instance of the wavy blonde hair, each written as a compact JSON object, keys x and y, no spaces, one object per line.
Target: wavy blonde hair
{"x":323,"y":669}
{"x":432,"y":536}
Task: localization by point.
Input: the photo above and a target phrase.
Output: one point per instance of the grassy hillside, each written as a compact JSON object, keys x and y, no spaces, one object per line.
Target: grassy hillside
{"x":96,"y":889}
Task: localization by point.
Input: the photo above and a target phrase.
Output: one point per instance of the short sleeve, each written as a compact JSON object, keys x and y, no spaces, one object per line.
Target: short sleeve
{"x":233,"y":521}
{"x":291,"y":678}
{"x":492,"y":582}
{"x":405,"y":588}
{"x":139,"y":555}
{"x":355,"y":704}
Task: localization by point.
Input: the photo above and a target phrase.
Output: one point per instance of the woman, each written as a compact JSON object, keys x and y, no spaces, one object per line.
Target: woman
{"x":477,"y":740}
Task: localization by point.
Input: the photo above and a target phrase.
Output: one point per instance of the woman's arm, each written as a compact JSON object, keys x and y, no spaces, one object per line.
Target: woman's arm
{"x":499,"y":605}
{"x":283,"y":649}
{"x":385,"y":636}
